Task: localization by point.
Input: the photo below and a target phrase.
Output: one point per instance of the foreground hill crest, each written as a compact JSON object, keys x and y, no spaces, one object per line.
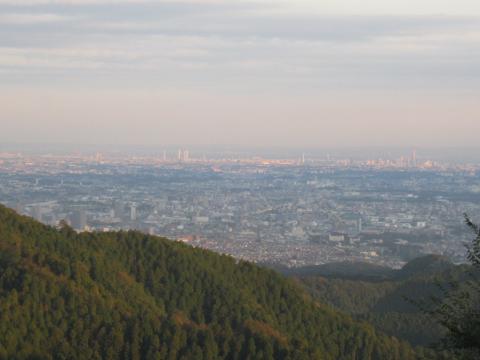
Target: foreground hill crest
{"x":127,"y":295}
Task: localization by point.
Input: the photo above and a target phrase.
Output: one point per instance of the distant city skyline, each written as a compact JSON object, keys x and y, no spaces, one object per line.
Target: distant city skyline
{"x":294,"y":212}
{"x":302,"y":74}
{"x":186,"y":153}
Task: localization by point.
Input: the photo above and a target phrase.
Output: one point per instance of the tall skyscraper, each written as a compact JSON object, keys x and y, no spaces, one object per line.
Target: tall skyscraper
{"x":359,"y":225}
{"x":79,"y":220}
{"x":133,"y":212}
{"x":414,"y":158}
{"x":183,"y":155}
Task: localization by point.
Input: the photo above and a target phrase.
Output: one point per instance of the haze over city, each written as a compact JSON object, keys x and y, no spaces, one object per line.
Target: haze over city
{"x":252,"y":73}
{"x":240,"y":179}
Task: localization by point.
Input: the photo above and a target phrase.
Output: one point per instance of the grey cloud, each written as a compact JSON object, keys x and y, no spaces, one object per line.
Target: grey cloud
{"x":192,"y":42}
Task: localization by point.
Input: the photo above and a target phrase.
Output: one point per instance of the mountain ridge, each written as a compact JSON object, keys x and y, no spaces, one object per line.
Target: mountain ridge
{"x":131,"y":295}
{"x":386,"y":299}
{"x":358,"y":270}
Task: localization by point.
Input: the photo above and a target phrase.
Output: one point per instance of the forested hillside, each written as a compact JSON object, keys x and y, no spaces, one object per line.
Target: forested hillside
{"x":127,"y":295}
{"x":387,"y":300}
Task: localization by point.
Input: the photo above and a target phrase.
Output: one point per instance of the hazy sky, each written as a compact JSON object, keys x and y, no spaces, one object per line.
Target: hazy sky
{"x":291,"y":73}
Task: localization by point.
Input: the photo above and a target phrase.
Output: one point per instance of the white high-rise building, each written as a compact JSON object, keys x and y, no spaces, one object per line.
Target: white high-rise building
{"x":133,"y":212}
{"x":183,"y":155}
{"x":79,"y":220}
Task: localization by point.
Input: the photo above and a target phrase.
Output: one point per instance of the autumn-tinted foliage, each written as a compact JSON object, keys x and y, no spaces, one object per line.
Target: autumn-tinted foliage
{"x":127,"y":295}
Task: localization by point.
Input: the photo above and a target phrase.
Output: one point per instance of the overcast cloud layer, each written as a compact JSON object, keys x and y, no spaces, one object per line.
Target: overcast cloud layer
{"x":294,"y":73}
